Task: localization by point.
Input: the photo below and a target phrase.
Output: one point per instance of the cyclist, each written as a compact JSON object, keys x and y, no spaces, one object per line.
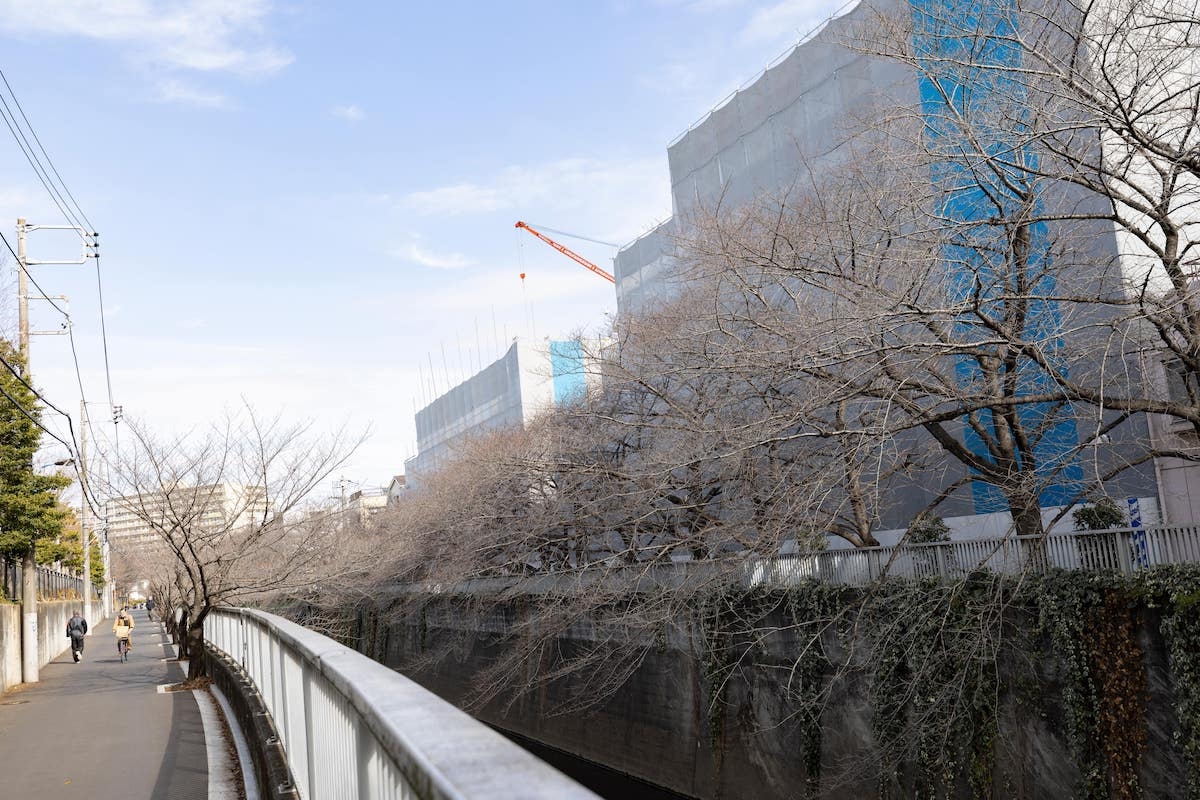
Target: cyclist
{"x":123,"y":629}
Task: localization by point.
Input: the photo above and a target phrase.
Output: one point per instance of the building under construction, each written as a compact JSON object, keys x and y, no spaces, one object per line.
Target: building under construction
{"x":528,"y":379}
{"x":796,"y":119}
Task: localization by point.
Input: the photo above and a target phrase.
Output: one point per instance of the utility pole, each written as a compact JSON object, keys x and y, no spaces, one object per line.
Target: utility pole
{"x":84,"y":536}
{"x":29,"y":576}
{"x":22,"y":295}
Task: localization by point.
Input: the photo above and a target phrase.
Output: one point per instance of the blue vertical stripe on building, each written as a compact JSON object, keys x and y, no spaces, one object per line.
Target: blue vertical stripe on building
{"x":975,"y":114}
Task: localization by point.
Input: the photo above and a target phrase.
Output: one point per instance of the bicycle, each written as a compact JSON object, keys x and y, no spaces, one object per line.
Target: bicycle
{"x":123,"y":647}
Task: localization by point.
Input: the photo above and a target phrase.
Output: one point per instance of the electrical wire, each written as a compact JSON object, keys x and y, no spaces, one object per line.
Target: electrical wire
{"x":33,"y":280}
{"x":49,"y":161}
{"x":73,"y":447}
{"x":80,"y":220}
{"x":73,"y":214}
{"x":92,"y":501}
{"x":31,"y":157}
{"x":104,"y":343}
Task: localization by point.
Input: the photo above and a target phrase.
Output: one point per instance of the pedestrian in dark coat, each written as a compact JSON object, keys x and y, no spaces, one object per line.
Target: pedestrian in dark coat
{"x":76,"y":630}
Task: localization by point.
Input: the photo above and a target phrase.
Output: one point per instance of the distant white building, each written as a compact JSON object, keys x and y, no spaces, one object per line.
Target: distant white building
{"x":396,"y":490}
{"x":364,"y":504}
{"x":132,"y":519}
{"x":527,"y":380}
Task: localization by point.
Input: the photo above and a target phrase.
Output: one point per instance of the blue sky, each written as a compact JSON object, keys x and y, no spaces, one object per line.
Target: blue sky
{"x":302,"y":203}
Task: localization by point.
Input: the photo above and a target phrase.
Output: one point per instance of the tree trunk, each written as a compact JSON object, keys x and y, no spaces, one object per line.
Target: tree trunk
{"x":179,"y":632}
{"x":1027,"y":518}
{"x":197,"y":663}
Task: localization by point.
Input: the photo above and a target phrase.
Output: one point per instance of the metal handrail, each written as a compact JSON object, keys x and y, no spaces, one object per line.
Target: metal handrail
{"x":351,"y":727}
{"x":1125,"y":550}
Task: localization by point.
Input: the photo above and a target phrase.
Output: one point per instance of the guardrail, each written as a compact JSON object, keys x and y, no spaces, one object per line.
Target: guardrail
{"x":351,"y":727}
{"x":1125,"y":550}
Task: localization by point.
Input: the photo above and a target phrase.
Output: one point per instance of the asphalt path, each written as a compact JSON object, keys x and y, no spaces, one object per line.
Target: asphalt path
{"x":101,"y":728}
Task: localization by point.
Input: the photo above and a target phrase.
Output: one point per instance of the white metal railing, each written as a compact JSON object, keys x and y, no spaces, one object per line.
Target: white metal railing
{"x":1126,"y":550}
{"x":352,"y":728}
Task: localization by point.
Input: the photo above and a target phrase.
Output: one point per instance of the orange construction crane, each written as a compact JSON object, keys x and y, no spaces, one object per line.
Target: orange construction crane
{"x":569,"y":253}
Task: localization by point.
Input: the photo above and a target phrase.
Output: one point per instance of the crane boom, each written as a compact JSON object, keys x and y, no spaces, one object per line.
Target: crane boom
{"x":569,"y":253}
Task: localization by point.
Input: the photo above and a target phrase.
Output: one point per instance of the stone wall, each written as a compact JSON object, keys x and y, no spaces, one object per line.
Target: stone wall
{"x":684,"y":723}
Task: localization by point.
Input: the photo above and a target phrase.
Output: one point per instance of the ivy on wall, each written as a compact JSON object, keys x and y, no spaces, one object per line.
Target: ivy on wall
{"x":936,"y":660}
{"x":929,"y":653}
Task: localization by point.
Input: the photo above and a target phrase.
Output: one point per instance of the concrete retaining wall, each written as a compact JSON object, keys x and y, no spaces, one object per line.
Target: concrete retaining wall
{"x":10,"y":645}
{"x":52,"y":628}
{"x":663,"y":726}
{"x":52,"y":638}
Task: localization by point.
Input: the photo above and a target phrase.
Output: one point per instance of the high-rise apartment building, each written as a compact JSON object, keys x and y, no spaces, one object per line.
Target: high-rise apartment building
{"x":134,"y":519}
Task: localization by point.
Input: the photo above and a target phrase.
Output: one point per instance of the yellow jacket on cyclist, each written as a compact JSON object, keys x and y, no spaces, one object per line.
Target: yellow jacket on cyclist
{"x":123,"y":625}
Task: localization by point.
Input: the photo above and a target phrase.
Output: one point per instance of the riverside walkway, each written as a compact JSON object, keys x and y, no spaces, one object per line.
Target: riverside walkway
{"x":103,"y":729}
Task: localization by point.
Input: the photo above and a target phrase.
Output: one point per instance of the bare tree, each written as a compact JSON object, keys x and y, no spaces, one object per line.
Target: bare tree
{"x":1090,"y":124}
{"x":224,"y":506}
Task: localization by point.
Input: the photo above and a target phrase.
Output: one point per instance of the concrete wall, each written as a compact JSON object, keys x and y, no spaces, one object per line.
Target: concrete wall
{"x":52,"y":628}
{"x":52,"y":638}
{"x":10,"y":645}
{"x":663,"y":726}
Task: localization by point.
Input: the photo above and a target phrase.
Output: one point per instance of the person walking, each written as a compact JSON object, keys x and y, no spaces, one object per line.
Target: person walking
{"x":123,"y":629}
{"x":76,"y":630}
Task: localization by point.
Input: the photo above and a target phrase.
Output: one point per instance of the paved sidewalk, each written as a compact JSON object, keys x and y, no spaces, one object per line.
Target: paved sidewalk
{"x":101,"y":729}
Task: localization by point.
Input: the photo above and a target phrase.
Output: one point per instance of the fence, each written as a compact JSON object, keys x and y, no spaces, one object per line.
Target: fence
{"x":354,"y":728}
{"x":1125,"y":550}
{"x":52,"y":583}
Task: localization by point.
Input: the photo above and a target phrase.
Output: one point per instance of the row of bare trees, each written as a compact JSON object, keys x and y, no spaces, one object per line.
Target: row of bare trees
{"x":975,"y":301}
{"x":969,"y":295}
{"x":952,"y":309}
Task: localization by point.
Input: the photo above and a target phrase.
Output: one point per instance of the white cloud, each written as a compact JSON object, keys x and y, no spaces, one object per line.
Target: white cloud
{"x":201,"y":35}
{"x":172,"y":90}
{"x":622,"y":196}
{"x":351,"y":113}
{"x":459,"y":198}
{"x":426,"y":258}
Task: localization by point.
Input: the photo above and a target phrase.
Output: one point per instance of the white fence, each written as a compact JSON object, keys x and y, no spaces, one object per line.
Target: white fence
{"x":352,"y":728}
{"x":1126,"y":550}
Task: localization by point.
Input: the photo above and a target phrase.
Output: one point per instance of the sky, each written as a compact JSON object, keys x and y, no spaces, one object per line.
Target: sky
{"x":308,"y":207}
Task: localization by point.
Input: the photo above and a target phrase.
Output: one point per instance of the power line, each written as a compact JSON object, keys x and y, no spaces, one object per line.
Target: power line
{"x":49,"y":161}
{"x":72,"y":446}
{"x":74,"y":449}
{"x":17,"y":374}
{"x":104,"y":343}
{"x":29,"y":275}
{"x":34,"y":162}
{"x":79,"y":221}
